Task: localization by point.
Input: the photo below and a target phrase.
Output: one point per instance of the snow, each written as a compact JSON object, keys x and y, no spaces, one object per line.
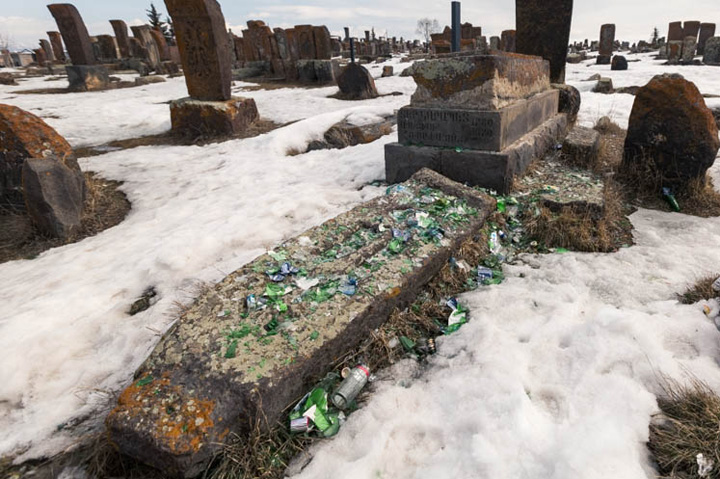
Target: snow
{"x":555,"y":376}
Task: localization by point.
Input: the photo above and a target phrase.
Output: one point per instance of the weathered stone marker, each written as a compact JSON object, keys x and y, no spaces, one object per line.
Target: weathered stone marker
{"x":162,"y":46}
{"x":356,"y":83}
{"x":204,"y":50}
{"x":84,"y":74}
{"x":607,"y":39}
{"x":47,"y":48}
{"x":707,"y":31}
{"x":108,"y":48}
{"x":142,"y":33}
{"x":507,"y":41}
{"x":121,"y":36}
{"x":543,"y":29}
{"x":675,"y":32}
{"x":57,"y":46}
{"x":688,"y":49}
{"x":691,"y":29}
{"x":712,"y":51}
{"x":477,"y":119}
{"x":225,"y":365}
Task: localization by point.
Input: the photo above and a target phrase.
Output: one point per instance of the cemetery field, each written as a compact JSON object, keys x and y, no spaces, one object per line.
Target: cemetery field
{"x":556,"y":374}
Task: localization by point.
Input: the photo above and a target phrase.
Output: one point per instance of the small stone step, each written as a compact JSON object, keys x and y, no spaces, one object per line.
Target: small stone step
{"x":253,"y":344}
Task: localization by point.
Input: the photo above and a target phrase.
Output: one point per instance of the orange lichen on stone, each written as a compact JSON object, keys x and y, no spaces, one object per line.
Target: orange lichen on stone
{"x":25,"y":133}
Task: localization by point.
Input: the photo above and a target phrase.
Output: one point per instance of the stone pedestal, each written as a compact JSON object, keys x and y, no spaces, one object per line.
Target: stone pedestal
{"x":87,"y":77}
{"x":212,"y":118}
{"x":478,"y":120}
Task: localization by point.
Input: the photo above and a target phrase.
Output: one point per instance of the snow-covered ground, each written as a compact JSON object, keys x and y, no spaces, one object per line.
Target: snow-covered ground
{"x":555,"y":376}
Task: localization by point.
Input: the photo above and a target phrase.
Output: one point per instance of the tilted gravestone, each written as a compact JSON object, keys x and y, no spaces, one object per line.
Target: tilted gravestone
{"x":543,"y":29}
{"x":507,"y":41}
{"x":121,"y":36}
{"x":57,"y":46}
{"x":142,"y":33}
{"x":48,"y":50}
{"x":607,"y":39}
{"x":161,"y":43}
{"x":707,"y":31}
{"x":204,"y":50}
{"x":675,"y":32}
{"x":691,"y":29}
{"x":84,"y":74}
{"x":108,"y":48}
{"x":476,"y":119}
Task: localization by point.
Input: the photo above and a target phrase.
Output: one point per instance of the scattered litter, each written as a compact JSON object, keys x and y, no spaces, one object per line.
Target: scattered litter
{"x":306,"y":283}
{"x":349,"y":288}
{"x":705,"y":465}
{"x":457,"y":318}
{"x":351,"y":387}
{"x":671,"y":200}
{"x":716,"y":285}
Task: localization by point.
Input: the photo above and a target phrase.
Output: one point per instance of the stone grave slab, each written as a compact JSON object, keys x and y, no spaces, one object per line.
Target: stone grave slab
{"x":190,"y":117}
{"x":57,"y":45}
{"x":492,"y":130}
{"x":251,"y":346}
{"x":121,"y":36}
{"x":74,"y":33}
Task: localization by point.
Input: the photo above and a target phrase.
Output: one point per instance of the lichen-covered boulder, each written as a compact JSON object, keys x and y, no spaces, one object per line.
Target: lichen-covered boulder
{"x":619,"y":63}
{"x":569,"y":101}
{"x":672,"y":135}
{"x":22,"y":136}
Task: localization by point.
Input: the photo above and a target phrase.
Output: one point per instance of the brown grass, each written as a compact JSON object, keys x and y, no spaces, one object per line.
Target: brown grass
{"x":105,"y":207}
{"x":581,"y":230}
{"x":687,"y":426}
{"x":701,"y":290}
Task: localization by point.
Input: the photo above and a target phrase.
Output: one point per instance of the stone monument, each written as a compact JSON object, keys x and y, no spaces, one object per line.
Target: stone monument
{"x":607,"y":39}
{"x":204,"y":50}
{"x":121,"y":36}
{"x":707,"y":31}
{"x":477,"y":119}
{"x":543,"y":29}
{"x":84,"y":74}
{"x":142,"y":33}
{"x":57,"y":46}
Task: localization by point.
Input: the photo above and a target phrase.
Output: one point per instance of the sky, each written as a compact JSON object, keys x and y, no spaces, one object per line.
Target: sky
{"x":26,"y":21}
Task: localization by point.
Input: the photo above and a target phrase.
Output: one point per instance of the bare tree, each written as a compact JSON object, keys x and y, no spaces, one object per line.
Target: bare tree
{"x":5,"y":41}
{"x":426,"y":27}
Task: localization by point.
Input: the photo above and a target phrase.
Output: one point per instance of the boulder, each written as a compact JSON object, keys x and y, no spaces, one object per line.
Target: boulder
{"x":672,"y":135}
{"x":569,"y":101}
{"x":54,"y":195}
{"x":356,"y":83}
{"x":574,"y":58}
{"x":581,"y":147}
{"x":619,"y":62}
{"x":604,"y":85}
{"x":22,"y":136}
{"x":603,"y":59}
{"x":7,"y":79}
{"x":387,"y":71}
{"x":140,"y":81}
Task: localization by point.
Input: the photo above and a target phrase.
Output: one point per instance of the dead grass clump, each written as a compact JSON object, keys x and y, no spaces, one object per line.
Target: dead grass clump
{"x":580,"y":229}
{"x":605,"y":126}
{"x":701,"y":290}
{"x":105,"y":207}
{"x":687,"y":426}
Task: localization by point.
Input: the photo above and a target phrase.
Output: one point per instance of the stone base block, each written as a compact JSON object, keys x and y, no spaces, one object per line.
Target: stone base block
{"x":212,"y":118}
{"x":492,"y":130}
{"x":318,"y":71}
{"x":604,"y":59}
{"x":487,"y":169}
{"x":87,"y":77}
{"x":581,"y":147}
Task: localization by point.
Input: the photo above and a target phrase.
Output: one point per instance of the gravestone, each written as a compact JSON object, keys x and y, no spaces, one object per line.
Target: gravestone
{"x":543,"y":29}
{"x":707,"y":31}
{"x":477,"y":119}
{"x":48,"y":50}
{"x":121,"y":36}
{"x":691,"y":29}
{"x":675,"y":49}
{"x":323,"y":46}
{"x":607,"y":39}
{"x":495,"y":43}
{"x":356,"y":83}
{"x":712,"y":51}
{"x":108,"y":48}
{"x":57,"y":46}
{"x":40,"y":56}
{"x":508,"y":41}
{"x":202,"y":39}
{"x":162,"y":46}
{"x":675,"y":32}
{"x":142,"y":33}
{"x":197,"y":390}
{"x":306,"y":42}
{"x":84,"y":74}
{"x":688,"y":49}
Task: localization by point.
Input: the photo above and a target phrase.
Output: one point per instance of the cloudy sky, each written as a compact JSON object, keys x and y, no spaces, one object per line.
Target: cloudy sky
{"x":25,"y":21}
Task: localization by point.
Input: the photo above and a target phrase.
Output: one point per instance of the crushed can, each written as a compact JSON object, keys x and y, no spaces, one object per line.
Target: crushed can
{"x":300,"y":425}
{"x":351,"y":387}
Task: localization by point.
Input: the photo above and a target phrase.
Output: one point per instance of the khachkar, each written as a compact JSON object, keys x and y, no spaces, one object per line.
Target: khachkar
{"x":57,"y":46}
{"x":121,"y":36}
{"x":607,"y":40}
{"x":477,"y":119}
{"x":543,"y":29}
{"x":84,"y":74}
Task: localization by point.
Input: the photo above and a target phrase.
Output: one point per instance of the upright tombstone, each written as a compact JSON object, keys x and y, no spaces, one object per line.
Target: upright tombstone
{"x":40,"y":57}
{"x":323,"y":45}
{"x":543,"y":29}
{"x":711,"y":56}
{"x":707,"y":31}
{"x":57,"y":46}
{"x":306,"y":41}
{"x":47,"y":48}
{"x":495,"y":43}
{"x":204,"y":50}
{"x":84,"y":74}
{"x":108,"y":48}
{"x":142,"y":33}
{"x":675,"y":32}
{"x":121,"y":36}
{"x":162,"y":45}
{"x":507,"y":41}
{"x":688,"y":49}
{"x":477,"y":119}
{"x":607,"y":39}
{"x":691,"y":29}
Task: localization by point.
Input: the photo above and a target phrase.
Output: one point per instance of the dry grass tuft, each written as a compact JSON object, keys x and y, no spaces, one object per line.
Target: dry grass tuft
{"x":688,"y":426}
{"x":606,"y":126}
{"x":581,"y":230}
{"x":701,"y":290}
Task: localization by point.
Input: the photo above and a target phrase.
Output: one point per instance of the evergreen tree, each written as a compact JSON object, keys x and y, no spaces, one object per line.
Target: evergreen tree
{"x":156,"y":21}
{"x":655,"y":37}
